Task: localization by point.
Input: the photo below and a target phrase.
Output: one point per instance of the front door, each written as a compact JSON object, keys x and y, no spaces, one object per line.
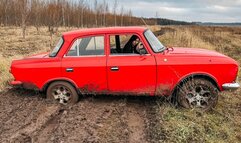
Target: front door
{"x":129,"y":72}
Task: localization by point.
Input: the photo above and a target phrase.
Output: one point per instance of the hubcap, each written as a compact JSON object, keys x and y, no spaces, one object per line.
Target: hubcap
{"x":199,"y":96}
{"x":61,"y":94}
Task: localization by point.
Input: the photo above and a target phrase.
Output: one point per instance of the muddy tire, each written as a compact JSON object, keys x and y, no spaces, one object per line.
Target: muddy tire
{"x":62,"y":92}
{"x":197,"y":93}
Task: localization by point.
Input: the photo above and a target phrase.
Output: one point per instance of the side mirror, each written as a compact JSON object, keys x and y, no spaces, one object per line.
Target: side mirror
{"x":142,"y":51}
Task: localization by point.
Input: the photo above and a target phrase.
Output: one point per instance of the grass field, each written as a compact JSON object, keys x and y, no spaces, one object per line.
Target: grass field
{"x":162,"y":122}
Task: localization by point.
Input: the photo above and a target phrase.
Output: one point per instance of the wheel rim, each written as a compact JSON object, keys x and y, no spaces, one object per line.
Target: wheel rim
{"x":62,"y":94}
{"x":198,"y":96}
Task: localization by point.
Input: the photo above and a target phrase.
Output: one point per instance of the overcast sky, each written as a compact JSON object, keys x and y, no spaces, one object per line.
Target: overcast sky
{"x":186,"y":10}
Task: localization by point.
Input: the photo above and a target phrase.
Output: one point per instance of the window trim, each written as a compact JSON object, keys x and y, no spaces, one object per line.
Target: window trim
{"x":150,"y":43}
{"x":136,"y":34}
{"x":61,"y":46}
{"x":85,"y":36}
{"x":129,"y":55}
{"x":84,"y":56}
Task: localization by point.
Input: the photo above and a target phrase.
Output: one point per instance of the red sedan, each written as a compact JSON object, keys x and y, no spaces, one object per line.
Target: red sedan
{"x":126,"y":60}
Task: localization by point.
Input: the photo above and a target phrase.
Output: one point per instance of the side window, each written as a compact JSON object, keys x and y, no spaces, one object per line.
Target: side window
{"x":125,"y":44}
{"x":87,"y":46}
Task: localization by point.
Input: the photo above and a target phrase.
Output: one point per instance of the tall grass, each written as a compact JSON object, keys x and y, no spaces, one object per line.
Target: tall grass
{"x":223,"y":124}
{"x":13,"y":46}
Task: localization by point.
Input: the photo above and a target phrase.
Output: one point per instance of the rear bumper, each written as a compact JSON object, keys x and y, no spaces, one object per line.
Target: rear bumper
{"x":26,"y":85}
{"x":231,"y":86}
{"x":16,"y":83}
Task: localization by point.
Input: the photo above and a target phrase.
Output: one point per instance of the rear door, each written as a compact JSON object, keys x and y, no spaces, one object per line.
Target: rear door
{"x":85,"y":64}
{"x":129,"y":73}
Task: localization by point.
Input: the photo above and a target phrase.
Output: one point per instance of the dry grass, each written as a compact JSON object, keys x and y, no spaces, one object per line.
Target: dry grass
{"x":13,"y":46}
{"x":223,"y":124}
{"x":174,"y":125}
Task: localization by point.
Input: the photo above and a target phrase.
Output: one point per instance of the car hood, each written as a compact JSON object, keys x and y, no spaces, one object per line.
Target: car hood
{"x":181,"y":51}
{"x":37,"y":56}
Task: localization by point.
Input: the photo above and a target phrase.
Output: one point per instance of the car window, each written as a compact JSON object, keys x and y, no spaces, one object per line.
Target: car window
{"x":155,"y":44}
{"x":57,"y":48}
{"x":87,"y":46}
{"x":125,"y":44}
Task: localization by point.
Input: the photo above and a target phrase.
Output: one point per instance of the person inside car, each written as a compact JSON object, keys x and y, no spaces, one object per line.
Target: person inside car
{"x":133,"y":45}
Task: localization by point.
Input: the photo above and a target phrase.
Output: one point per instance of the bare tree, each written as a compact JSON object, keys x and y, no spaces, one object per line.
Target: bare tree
{"x":115,"y":6}
{"x":96,"y":12}
{"x":36,"y":14}
{"x":63,"y":11}
{"x":55,"y":13}
{"x":5,"y":5}
{"x":130,"y":17}
{"x":81,"y":7}
{"x":106,"y":9}
{"x":25,"y":6}
{"x":157,"y":16}
{"x":122,"y":15}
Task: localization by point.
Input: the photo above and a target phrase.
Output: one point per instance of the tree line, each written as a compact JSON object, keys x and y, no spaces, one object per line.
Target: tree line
{"x":71,"y":13}
{"x":55,"y":13}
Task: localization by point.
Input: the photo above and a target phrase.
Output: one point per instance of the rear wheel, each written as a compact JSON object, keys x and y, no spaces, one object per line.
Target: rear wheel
{"x":63,"y":92}
{"x":197,"y":93}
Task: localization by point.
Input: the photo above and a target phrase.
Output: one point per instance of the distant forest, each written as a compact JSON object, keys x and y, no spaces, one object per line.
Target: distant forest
{"x":71,"y":13}
{"x":78,"y":13}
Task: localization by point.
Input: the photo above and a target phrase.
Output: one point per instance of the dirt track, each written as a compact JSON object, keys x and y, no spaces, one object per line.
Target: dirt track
{"x":28,"y":117}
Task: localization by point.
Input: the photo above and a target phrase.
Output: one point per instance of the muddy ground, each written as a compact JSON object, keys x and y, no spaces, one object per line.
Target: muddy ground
{"x":26,"y":116}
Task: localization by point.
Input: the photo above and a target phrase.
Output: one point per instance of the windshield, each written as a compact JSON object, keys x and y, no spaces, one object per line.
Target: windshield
{"x":155,"y":44}
{"x":57,"y":48}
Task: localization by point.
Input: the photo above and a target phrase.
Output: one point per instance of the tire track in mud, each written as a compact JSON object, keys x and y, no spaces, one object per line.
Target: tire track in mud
{"x":12,"y":111}
{"x":86,"y":121}
{"x":154,"y":131}
{"x":34,"y":127}
{"x":23,"y":113}
{"x":25,"y":117}
{"x":136,"y":121}
{"x":45,"y":131}
{"x":115,"y":128}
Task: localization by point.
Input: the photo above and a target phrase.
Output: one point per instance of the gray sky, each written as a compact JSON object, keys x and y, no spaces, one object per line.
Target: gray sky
{"x":185,"y":10}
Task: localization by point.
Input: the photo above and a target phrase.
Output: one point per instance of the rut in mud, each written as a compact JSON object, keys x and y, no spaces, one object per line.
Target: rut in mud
{"x":28,"y":117}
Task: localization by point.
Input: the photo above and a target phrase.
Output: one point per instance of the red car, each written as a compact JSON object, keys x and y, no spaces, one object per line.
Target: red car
{"x":126,"y":60}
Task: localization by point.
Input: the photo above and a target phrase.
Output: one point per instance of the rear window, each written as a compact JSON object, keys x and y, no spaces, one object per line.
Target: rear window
{"x":87,"y":46}
{"x":57,"y":48}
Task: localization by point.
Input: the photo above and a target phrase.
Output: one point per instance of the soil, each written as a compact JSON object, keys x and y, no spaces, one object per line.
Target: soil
{"x":26,"y":116}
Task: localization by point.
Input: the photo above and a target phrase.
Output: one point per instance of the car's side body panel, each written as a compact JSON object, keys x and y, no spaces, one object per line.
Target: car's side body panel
{"x":33,"y":73}
{"x":133,"y":74}
{"x":172,"y":69}
{"x":89,"y":73}
{"x":153,"y":73}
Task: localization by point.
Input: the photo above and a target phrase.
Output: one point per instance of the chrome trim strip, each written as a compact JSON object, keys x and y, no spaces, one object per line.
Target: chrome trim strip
{"x":114,"y":68}
{"x":231,"y":86}
{"x":121,"y":55}
{"x":82,"y":56}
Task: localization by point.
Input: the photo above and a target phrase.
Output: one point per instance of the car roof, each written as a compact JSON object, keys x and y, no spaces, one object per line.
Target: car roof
{"x":109,"y":30}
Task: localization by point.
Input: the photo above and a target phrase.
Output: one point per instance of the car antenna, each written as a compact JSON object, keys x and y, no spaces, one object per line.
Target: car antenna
{"x":145,"y":23}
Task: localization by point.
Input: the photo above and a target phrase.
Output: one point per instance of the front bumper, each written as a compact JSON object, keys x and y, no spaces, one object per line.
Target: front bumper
{"x":231,"y":86}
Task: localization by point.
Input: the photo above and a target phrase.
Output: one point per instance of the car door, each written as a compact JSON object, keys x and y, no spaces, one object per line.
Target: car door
{"x":130,"y":73}
{"x":85,"y":64}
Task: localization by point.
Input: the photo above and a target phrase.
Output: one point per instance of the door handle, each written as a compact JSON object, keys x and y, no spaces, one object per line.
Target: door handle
{"x":114,"y":68}
{"x":69,"y":69}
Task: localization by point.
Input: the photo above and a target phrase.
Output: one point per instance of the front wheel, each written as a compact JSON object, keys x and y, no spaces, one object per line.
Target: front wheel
{"x":197,"y":93}
{"x":63,"y":92}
